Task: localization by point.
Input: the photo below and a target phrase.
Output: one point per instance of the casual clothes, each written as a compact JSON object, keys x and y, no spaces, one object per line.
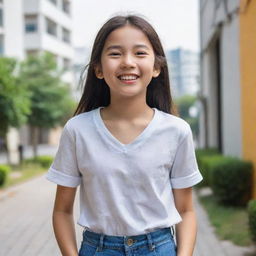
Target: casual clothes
{"x":126,"y":189}
{"x":160,"y":242}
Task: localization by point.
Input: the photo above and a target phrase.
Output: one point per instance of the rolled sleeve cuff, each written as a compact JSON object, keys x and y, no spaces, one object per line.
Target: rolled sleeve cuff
{"x":187,"y":181}
{"x":63,"y":179}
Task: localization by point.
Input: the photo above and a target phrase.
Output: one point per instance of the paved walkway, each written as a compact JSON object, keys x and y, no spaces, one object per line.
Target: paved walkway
{"x":25,"y":220}
{"x":209,"y":245}
{"x":25,"y":224}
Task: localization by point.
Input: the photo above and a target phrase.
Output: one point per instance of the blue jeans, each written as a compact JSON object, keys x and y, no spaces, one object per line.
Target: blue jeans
{"x":156,"y":243}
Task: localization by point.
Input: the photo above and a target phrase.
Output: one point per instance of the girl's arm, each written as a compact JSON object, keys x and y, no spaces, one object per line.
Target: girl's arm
{"x":63,"y":223}
{"x":185,"y":230}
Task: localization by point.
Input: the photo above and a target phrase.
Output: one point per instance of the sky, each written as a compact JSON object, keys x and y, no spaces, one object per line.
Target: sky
{"x":175,"y":21}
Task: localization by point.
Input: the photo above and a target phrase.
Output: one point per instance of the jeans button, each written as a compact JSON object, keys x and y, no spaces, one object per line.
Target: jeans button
{"x":129,"y":242}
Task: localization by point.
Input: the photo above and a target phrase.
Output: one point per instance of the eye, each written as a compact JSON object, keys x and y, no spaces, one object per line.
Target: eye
{"x":141,"y":53}
{"x":114,"y":54}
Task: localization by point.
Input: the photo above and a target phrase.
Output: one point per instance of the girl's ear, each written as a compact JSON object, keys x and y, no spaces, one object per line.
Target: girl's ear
{"x":98,"y":72}
{"x":156,"y":72}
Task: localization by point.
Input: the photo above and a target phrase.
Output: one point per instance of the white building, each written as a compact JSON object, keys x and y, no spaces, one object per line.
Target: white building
{"x":184,"y":71}
{"x":48,"y":27}
{"x":220,"y":76}
{"x":32,"y":26}
{"x":35,"y":26}
{"x":11,"y":28}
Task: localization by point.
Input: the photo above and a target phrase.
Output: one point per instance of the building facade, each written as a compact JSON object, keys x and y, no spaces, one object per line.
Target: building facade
{"x":48,"y":28}
{"x":11,"y":29}
{"x":228,"y":83}
{"x":184,"y":71}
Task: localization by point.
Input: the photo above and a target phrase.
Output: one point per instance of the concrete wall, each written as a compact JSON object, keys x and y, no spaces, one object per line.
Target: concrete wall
{"x":217,"y":25}
{"x":208,"y":79}
{"x":212,"y":15}
{"x":13,"y":28}
{"x":230,"y":74}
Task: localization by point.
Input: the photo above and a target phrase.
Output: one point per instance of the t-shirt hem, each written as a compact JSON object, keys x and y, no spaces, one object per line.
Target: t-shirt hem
{"x":62,"y":178}
{"x":172,"y":223}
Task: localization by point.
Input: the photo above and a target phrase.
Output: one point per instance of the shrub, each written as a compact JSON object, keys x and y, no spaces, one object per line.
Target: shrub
{"x":201,"y":153}
{"x":231,"y":180}
{"x":252,"y":218}
{"x":207,"y":163}
{"x":28,"y":161}
{"x":44,"y":161}
{"x":203,"y":157}
{"x":4,"y":171}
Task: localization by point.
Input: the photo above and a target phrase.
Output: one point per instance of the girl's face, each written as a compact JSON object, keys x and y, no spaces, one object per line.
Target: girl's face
{"x":127,"y":62}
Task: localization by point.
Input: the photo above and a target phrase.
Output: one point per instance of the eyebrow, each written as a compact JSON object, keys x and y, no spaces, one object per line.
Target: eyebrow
{"x":111,"y":47}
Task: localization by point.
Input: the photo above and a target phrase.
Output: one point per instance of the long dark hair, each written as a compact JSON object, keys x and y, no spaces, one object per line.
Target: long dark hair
{"x":96,"y":92}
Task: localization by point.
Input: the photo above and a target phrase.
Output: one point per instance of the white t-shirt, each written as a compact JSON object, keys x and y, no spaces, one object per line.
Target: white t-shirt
{"x":126,"y":189}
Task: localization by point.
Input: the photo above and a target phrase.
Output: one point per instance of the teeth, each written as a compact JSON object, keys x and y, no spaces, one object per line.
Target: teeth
{"x":128,"y":77}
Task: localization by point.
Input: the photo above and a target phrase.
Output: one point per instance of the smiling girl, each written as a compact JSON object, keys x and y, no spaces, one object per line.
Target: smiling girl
{"x":132,"y":157}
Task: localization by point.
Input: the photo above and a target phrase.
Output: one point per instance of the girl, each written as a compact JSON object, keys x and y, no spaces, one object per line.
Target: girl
{"x":132,"y":157}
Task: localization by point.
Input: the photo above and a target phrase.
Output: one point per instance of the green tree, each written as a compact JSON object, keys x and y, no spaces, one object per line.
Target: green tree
{"x":14,"y":98}
{"x":50,"y":96}
{"x":184,"y":104}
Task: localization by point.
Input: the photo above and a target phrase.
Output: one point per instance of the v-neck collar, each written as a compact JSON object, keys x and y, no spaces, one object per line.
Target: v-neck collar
{"x":114,"y":142}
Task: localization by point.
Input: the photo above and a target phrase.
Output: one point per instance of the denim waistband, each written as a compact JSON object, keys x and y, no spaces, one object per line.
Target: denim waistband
{"x":107,"y":241}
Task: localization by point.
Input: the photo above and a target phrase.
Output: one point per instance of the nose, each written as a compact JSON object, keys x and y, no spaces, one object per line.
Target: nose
{"x":128,"y":61}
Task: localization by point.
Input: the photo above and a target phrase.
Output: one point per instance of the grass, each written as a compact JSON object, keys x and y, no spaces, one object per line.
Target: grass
{"x":231,"y":223}
{"x":23,"y":173}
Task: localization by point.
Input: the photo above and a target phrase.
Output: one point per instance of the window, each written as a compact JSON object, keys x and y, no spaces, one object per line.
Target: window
{"x":1,"y":45}
{"x":51,"y":27}
{"x":30,"y":23}
{"x":65,"y":35}
{"x":66,"y":6}
{"x":1,"y":17}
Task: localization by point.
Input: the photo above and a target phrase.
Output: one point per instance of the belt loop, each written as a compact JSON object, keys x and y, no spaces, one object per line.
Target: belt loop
{"x":150,"y":242}
{"x":172,"y":231}
{"x":100,"y":247}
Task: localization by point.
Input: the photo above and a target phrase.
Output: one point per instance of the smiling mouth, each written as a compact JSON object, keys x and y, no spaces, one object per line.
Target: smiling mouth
{"x":128,"y":77}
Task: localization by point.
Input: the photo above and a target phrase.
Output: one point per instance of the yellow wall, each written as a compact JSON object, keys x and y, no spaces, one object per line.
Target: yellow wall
{"x":248,"y":81}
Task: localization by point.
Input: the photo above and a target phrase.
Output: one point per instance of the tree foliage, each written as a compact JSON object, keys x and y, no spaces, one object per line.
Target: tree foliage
{"x":184,"y":103}
{"x":50,"y":96}
{"x":14,"y":97}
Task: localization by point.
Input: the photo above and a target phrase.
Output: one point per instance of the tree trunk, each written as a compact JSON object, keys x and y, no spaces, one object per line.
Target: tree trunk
{"x":6,"y":149}
{"x":34,"y":134}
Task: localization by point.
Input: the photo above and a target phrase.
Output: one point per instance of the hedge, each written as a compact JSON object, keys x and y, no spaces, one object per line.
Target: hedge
{"x":203,"y":156}
{"x":252,"y":218}
{"x":4,"y":172}
{"x":231,"y":180}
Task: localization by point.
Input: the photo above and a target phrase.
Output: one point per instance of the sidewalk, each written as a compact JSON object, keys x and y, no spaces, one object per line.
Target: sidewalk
{"x":25,"y":219}
{"x":209,"y":245}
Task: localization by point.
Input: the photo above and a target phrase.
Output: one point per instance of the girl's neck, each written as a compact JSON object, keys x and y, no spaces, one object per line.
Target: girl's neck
{"x":125,"y":110}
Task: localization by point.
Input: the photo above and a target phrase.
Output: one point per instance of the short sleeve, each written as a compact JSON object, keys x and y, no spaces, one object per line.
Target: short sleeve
{"x":64,"y":169}
{"x":184,"y":172}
